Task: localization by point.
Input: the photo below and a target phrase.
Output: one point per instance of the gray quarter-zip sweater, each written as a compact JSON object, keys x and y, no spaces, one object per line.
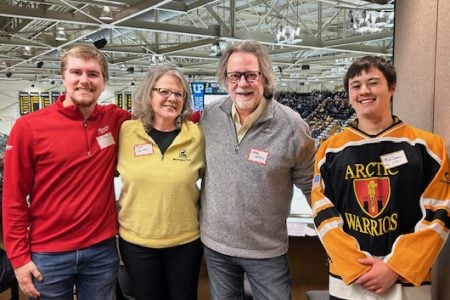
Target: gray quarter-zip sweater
{"x":248,"y":185}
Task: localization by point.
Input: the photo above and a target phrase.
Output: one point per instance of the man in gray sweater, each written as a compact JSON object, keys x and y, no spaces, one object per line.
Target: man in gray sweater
{"x":256,"y":149}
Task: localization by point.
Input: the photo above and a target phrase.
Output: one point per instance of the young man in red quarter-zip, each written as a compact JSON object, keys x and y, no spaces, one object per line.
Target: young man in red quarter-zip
{"x":59,"y":216}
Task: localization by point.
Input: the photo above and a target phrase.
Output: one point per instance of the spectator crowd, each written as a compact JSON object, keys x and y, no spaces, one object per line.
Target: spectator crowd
{"x":325,"y":112}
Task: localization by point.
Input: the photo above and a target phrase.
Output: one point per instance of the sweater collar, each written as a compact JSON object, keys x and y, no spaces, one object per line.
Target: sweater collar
{"x":183,"y":136}
{"x":73,"y":112}
{"x":396,"y":120}
{"x":267,"y":114}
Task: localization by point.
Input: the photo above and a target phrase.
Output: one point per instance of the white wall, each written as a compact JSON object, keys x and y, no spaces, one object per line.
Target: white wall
{"x":421,"y":57}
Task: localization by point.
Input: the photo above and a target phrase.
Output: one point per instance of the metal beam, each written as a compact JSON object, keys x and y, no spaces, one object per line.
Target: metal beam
{"x":140,"y":8}
{"x":211,"y":31}
{"x":45,"y":15}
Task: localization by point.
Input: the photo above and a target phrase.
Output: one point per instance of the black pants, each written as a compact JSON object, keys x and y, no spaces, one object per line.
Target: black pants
{"x":6,"y":271}
{"x":163,"y":274}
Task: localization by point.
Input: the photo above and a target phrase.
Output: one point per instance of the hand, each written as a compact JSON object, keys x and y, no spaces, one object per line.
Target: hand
{"x":24,"y":275}
{"x":379,"y":278}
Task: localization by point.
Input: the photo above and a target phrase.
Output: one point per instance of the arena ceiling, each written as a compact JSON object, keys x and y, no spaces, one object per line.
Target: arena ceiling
{"x":190,"y":34}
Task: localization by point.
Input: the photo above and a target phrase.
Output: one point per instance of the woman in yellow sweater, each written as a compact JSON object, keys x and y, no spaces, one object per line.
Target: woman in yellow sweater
{"x":161,"y":157}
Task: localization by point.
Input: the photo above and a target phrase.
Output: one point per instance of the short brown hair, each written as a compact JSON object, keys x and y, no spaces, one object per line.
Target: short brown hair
{"x":86,"y":51}
{"x":367,"y":62}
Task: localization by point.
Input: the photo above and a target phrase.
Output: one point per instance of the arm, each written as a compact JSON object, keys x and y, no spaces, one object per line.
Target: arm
{"x":24,"y":276}
{"x":342,"y":248}
{"x":17,"y":186}
{"x":202,"y":145}
{"x":413,"y":254}
{"x":18,"y":181}
{"x":195,"y":116}
{"x":380,"y":277}
{"x":304,"y":158}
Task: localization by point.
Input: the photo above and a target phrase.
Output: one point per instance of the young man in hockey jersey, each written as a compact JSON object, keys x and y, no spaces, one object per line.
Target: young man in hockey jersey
{"x":380,"y":198}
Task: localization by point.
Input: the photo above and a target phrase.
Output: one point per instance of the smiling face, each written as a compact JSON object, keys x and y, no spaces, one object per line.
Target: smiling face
{"x":83,"y":81}
{"x":370,"y":95}
{"x":245,"y":95}
{"x":166,"y":109}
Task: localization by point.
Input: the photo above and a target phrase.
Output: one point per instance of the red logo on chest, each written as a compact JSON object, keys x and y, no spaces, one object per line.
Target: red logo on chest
{"x":372,"y":194}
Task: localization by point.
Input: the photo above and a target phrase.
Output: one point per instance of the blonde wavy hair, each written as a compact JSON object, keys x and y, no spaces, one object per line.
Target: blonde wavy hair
{"x":141,"y":104}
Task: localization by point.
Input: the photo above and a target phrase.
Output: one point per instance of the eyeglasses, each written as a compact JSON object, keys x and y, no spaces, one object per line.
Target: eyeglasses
{"x":166,"y":93}
{"x":250,"y":76}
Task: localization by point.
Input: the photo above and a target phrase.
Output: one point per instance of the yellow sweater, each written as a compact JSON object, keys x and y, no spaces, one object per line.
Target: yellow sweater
{"x":158,"y":205}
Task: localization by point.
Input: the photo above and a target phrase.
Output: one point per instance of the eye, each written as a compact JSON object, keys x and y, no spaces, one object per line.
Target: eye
{"x":164,"y":92}
{"x":251,"y":76}
{"x":94,"y":74}
{"x":234,"y":76}
{"x":178,"y":95}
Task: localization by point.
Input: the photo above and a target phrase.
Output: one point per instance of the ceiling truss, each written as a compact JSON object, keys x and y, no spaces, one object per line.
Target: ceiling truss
{"x":182,"y":33}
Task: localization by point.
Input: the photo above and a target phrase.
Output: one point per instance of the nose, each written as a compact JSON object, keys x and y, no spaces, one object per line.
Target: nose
{"x":84,"y":78}
{"x":242,"y":81}
{"x":172,"y":97}
{"x":364,"y":89}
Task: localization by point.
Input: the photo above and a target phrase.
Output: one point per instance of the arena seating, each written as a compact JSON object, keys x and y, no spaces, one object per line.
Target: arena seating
{"x":325,"y":112}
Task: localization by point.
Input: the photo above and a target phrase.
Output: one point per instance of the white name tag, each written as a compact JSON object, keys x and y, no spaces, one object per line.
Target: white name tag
{"x":258,"y":156}
{"x":105,"y":140}
{"x":144,"y":149}
{"x":394,"y":159}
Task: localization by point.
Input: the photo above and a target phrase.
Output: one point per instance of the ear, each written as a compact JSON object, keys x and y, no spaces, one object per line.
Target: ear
{"x":392,"y":88}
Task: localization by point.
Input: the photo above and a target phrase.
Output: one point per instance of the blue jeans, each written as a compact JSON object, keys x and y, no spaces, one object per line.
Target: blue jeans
{"x":269,"y":278}
{"x":92,"y":270}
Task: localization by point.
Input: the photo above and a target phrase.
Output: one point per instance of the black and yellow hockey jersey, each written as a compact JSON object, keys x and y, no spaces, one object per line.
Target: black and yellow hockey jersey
{"x":385,"y":196}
